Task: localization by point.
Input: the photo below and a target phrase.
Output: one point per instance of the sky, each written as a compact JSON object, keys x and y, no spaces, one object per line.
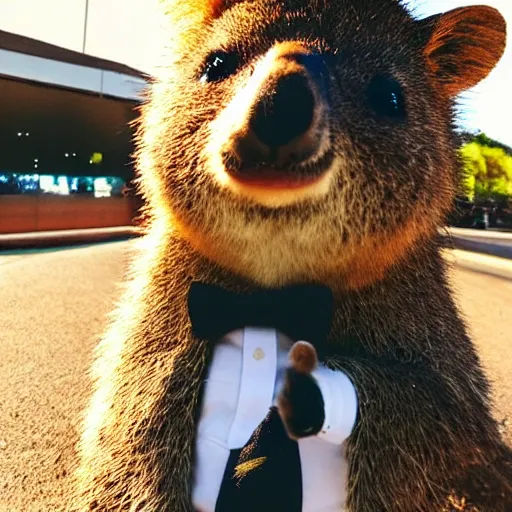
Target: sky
{"x":127,"y":31}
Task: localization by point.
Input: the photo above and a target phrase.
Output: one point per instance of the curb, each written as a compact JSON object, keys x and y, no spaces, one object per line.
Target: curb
{"x":44,"y":239}
{"x":489,"y":234}
{"x":480,"y":263}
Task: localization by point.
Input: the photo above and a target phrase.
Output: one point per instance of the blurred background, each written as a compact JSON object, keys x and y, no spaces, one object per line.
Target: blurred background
{"x":72,"y":75}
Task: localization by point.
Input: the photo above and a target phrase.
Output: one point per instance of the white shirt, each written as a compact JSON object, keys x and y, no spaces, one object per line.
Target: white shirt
{"x":244,"y":379}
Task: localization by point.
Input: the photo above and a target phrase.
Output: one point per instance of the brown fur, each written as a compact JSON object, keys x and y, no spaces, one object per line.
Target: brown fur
{"x":425,"y":439}
{"x":303,"y":357}
{"x":473,"y":42}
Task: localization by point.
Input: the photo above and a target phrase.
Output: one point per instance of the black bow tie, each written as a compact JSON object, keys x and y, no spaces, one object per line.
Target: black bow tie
{"x":302,"y":312}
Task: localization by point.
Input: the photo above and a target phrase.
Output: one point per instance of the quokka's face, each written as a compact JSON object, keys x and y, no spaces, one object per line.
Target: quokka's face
{"x":296,"y":140}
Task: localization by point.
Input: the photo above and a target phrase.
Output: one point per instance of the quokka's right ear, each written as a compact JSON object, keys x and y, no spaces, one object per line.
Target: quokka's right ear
{"x":462,"y":46}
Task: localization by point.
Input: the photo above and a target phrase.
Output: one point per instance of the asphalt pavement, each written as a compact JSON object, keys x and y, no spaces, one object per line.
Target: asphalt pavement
{"x":493,"y":242}
{"x":53,"y":306}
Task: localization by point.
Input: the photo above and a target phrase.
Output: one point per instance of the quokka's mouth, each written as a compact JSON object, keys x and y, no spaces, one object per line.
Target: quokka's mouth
{"x":271,"y":177}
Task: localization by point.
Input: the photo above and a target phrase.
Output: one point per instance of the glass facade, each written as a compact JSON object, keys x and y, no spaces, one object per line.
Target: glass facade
{"x":62,"y":142}
{"x":57,"y":184}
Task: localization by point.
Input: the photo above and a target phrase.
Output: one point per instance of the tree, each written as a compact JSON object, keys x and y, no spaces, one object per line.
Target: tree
{"x":487,"y":169}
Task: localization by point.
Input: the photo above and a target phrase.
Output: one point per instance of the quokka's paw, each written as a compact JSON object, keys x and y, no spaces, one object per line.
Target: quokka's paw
{"x":300,"y":403}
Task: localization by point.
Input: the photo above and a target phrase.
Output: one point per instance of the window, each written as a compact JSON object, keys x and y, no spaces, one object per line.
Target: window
{"x":59,"y":184}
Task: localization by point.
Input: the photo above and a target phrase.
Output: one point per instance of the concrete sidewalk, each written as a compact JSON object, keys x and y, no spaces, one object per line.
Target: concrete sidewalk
{"x":480,"y":263}
{"x":43,"y":239}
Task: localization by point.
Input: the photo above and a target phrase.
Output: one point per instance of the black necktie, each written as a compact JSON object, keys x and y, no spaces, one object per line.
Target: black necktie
{"x":265,"y":475}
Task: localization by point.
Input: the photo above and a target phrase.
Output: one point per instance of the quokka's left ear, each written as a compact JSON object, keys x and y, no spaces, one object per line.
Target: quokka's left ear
{"x":209,"y":8}
{"x":462,"y":46}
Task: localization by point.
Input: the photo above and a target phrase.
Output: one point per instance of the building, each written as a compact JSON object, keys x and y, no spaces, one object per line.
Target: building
{"x":67,"y":136}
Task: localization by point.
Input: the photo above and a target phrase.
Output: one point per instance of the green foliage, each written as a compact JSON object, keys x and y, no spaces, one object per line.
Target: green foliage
{"x":487,"y":171}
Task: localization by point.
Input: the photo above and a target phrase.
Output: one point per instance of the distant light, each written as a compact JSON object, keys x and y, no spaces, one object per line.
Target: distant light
{"x":20,"y":134}
{"x":27,"y":134}
{"x":36,"y":160}
{"x":67,"y":155}
{"x":36,"y":166}
{"x":74,"y":154}
{"x":102,"y":188}
{"x":46,"y":183}
{"x":62,"y":185}
{"x":97,"y":158}
{"x":90,"y":161}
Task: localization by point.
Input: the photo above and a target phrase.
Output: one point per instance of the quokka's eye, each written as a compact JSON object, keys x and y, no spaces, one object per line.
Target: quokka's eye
{"x":219,"y":66}
{"x":386,"y":98}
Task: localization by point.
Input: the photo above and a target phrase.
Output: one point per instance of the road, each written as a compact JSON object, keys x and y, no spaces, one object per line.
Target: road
{"x":53,"y":305}
{"x":489,"y":241}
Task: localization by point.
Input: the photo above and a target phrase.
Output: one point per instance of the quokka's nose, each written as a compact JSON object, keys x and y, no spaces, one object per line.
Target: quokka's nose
{"x":286,"y":123}
{"x":285,"y":112}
